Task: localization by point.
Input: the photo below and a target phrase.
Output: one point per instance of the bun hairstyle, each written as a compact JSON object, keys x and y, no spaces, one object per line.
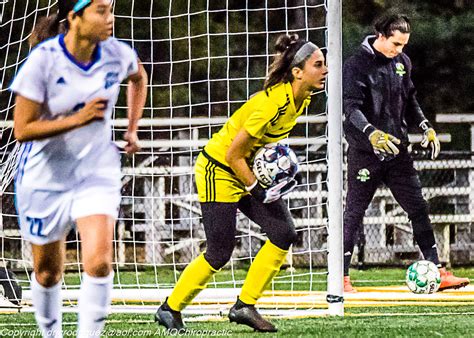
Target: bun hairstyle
{"x":289,"y":54}
{"x":388,"y":24}
{"x":283,"y":42}
{"x":55,"y":24}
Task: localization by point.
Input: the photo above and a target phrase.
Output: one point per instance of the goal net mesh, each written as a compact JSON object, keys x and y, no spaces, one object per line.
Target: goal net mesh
{"x":204,"y":60}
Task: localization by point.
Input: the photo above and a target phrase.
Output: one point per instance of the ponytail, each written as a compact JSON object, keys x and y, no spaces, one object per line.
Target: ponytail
{"x":55,"y":24}
{"x":45,"y":28}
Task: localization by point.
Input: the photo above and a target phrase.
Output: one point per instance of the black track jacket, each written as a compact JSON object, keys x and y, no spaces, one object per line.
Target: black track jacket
{"x":379,"y":91}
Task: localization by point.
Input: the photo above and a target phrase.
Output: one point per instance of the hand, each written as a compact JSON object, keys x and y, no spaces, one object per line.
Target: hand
{"x":430,"y":138}
{"x":132,"y":145}
{"x":273,"y":193}
{"x":93,"y":110}
{"x":384,"y":143}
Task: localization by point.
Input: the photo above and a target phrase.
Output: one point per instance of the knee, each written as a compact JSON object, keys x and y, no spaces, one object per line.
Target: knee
{"x":419,"y":216}
{"x":98,"y":268}
{"x":218,"y":258}
{"x":291,"y":236}
{"x":48,"y":277}
{"x":285,"y":239}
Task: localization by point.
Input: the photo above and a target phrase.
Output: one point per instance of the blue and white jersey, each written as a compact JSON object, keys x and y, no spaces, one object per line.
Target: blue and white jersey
{"x":52,"y":77}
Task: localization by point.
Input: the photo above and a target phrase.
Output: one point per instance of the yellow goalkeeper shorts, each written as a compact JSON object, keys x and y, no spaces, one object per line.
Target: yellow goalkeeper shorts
{"x":215,"y":182}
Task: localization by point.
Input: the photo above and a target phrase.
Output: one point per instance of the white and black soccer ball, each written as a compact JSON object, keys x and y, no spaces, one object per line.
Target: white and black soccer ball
{"x":423,"y":277}
{"x":274,"y":163}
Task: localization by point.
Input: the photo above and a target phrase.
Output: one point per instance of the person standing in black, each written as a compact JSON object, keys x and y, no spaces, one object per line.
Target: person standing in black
{"x":379,"y":106}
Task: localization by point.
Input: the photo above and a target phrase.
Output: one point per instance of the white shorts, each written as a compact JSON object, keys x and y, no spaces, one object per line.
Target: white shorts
{"x":47,"y":216}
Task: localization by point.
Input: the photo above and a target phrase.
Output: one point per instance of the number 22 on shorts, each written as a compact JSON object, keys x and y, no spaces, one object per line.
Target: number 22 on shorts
{"x":36,"y":226}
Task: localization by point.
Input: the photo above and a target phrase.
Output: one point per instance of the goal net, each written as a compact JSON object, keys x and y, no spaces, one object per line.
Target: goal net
{"x":204,"y":60}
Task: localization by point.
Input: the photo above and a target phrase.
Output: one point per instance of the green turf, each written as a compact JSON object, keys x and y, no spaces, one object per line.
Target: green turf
{"x":416,"y":321}
{"x":370,"y":322}
{"x":299,"y":279}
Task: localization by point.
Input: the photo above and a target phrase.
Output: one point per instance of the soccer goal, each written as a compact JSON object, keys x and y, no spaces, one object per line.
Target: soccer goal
{"x":204,"y":59}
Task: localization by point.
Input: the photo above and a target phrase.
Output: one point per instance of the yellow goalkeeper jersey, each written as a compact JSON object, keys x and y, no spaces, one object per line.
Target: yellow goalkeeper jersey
{"x":268,"y":116}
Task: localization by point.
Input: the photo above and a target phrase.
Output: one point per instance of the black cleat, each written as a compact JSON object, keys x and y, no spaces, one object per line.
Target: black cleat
{"x":169,"y":318}
{"x":242,"y":313}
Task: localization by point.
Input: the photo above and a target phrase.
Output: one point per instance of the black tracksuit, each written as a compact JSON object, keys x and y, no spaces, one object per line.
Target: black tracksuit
{"x":378,"y":91}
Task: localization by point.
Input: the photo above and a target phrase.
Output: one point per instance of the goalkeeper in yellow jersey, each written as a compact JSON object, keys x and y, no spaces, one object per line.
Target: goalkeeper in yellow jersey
{"x":225,"y":183}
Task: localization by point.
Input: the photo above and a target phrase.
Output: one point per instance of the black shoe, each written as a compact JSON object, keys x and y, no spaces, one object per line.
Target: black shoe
{"x":169,"y":318}
{"x":242,"y":313}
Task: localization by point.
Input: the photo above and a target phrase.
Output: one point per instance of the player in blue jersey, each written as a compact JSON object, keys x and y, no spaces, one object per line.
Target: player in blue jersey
{"x":68,"y":168}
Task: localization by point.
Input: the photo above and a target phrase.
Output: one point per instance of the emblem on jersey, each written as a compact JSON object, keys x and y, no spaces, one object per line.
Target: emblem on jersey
{"x":111,"y":78}
{"x":400,"y":69}
{"x":61,"y":81}
{"x":363,"y":175}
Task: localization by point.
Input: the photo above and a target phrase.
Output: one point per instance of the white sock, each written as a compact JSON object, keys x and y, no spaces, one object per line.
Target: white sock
{"x":47,"y":303}
{"x":93,"y":304}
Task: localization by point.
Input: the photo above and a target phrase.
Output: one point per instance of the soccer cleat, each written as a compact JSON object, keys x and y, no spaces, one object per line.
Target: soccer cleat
{"x":242,"y":313}
{"x":169,"y":318}
{"x":449,"y":281}
{"x":348,"y":288}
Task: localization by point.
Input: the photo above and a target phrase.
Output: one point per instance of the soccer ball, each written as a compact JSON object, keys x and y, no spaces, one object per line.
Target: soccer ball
{"x":274,"y":163}
{"x":423,"y":277}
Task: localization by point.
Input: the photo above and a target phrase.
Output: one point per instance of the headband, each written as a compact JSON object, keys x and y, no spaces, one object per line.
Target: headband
{"x":81,"y":4}
{"x":306,"y":50}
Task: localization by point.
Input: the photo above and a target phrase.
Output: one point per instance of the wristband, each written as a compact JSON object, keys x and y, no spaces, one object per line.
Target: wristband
{"x":369,"y":129}
{"x":250,"y":187}
{"x":425,"y":125}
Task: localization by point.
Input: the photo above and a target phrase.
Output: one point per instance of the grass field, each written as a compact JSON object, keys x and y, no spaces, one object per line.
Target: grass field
{"x":438,"y":316}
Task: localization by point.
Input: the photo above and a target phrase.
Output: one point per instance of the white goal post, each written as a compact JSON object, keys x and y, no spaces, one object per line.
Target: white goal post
{"x":335,"y":160}
{"x":204,"y":59}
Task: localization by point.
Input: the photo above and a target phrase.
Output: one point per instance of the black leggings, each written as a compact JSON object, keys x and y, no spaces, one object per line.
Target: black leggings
{"x":402,"y":179}
{"x":219,"y":221}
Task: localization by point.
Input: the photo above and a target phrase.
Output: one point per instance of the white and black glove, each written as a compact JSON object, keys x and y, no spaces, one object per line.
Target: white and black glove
{"x":272,"y":193}
{"x":383,"y":144}
{"x":429,"y":137}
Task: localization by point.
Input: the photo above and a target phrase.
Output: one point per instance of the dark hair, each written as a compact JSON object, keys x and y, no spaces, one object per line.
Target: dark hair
{"x":286,"y":47}
{"x":54,"y":24}
{"x":387,"y":24}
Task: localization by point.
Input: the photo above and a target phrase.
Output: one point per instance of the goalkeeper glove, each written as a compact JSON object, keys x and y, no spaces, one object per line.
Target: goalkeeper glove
{"x":384,"y":144}
{"x":272,"y":193}
{"x":430,"y":138}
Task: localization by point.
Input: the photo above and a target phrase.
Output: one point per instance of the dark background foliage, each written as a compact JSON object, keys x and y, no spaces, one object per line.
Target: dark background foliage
{"x":441,"y":48}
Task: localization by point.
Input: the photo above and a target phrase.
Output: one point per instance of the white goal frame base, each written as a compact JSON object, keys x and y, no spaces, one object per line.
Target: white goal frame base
{"x":210,"y":302}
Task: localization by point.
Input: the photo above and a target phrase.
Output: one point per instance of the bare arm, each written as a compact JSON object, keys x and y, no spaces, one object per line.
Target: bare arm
{"x":236,"y":154}
{"x":136,"y":97}
{"x":28,"y":126}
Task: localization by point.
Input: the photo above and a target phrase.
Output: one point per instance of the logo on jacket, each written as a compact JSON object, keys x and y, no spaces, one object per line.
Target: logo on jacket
{"x":111,"y":78}
{"x":363,"y":175}
{"x":400,"y":69}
